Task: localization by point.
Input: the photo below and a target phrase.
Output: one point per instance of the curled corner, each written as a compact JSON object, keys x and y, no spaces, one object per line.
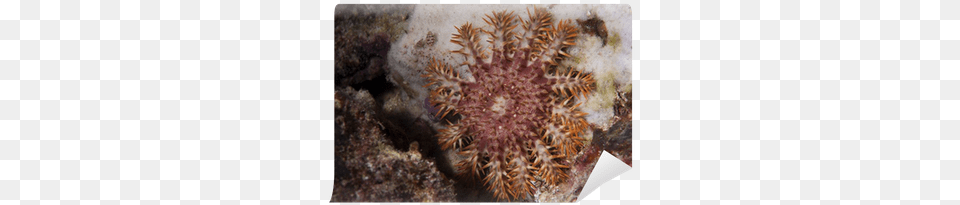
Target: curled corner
{"x":606,"y":169}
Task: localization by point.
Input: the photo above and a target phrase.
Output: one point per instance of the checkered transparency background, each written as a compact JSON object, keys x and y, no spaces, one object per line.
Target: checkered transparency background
{"x":735,"y":102}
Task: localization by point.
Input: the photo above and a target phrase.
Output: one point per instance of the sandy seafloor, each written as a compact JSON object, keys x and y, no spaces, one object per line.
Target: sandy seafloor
{"x":402,"y":63}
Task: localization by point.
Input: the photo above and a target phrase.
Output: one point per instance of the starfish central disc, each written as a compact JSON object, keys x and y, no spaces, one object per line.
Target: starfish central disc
{"x":499,"y":106}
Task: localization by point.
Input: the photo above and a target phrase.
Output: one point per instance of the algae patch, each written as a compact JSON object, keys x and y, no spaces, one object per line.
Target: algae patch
{"x":606,"y":91}
{"x":614,"y":41}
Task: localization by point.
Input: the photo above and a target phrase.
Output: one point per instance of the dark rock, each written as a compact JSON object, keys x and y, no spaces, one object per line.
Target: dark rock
{"x":363,"y":36}
{"x":594,"y":26}
{"x":367,"y":166}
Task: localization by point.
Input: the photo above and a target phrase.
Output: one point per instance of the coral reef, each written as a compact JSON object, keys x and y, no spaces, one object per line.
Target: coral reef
{"x":367,"y":166}
{"x":514,"y":117}
{"x":387,"y":126}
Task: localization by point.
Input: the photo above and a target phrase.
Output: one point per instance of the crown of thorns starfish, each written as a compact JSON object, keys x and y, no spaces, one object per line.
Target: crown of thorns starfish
{"x":518,"y":124}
